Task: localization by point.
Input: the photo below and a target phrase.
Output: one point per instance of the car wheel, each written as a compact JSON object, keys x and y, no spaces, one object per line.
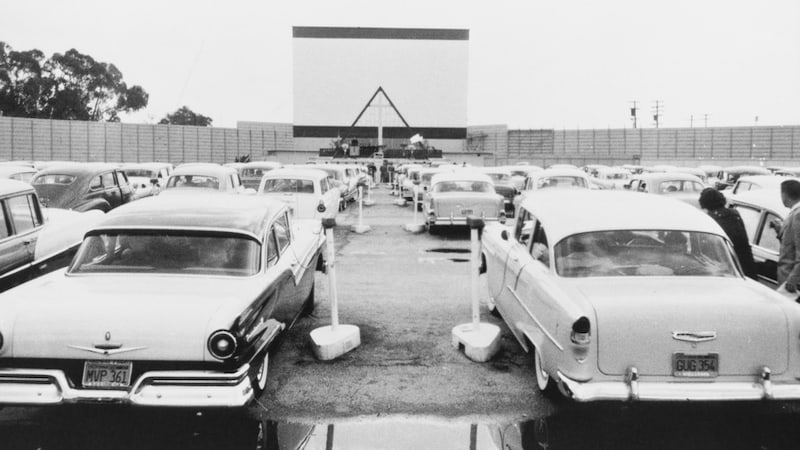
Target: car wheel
{"x":259,"y":377}
{"x":433,"y":230}
{"x":544,"y":382}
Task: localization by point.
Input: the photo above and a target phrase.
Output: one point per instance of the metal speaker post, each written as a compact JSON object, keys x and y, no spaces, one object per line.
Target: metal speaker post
{"x":360,"y":228}
{"x":415,"y":227}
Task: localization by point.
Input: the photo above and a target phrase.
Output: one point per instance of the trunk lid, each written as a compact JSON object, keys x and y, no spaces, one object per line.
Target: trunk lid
{"x":462,"y":205}
{"x":636,"y":320}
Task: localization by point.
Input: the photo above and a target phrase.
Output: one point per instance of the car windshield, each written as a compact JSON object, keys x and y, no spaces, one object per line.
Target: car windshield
{"x":561,"y":182}
{"x":667,"y":187}
{"x":193,"y":181}
{"x":616,"y":176}
{"x":644,"y":253}
{"x":168,"y":252}
{"x":463,"y":186}
{"x":54,"y":179}
{"x":288,"y":185}
{"x":519,"y":173}
{"x":255,"y":172}
{"x":502,"y":177}
{"x":144,"y":173}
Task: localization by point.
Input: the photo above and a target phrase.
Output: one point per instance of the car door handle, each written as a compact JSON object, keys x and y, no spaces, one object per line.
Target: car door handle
{"x":27,"y":241}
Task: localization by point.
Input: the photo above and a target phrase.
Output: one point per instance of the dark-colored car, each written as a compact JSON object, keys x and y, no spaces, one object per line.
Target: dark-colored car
{"x":83,"y":187}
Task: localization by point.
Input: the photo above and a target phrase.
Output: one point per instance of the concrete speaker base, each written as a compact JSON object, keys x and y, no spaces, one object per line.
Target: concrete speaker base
{"x":479,"y":345}
{"x":360,"y":229}
{"x":329,"y":344}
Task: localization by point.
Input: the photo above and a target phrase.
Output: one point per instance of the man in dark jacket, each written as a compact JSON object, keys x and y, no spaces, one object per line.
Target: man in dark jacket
{"x":713,"y":201}
{"x":789,"y":258}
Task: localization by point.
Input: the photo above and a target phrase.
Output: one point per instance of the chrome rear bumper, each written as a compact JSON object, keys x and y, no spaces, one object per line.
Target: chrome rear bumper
{"x":168,"y":388}
{"x":760,"y":388}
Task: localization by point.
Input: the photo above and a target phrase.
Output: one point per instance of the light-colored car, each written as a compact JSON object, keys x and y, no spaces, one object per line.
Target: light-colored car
{"x":171,"y":301}
{"x":630,"y":297}
{"x":307,"y":192}
{"x":763,"y":213}
{"x":35,"y":240}
{"x":612,"y":177}
{"x":565,"y":178}
{"x":411,"y":178}
{"x":680,"y":186}
{"x":455,"y":196}
{"x":348,"y":187}
{"x":729,"y":175}
{"x":147,"y":179}
{"x":204,"y":178}
{"x":520,"y":173}
{"x":755,"y":182}
{"x":19,"y":173}
{"x":503,"y":185}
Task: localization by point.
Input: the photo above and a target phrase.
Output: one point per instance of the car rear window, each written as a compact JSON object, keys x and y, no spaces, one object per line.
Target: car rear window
{"x":289,"y":185}
{"x":54,"y":179}
{"x":144,"y":173}
{"x":644,"y":253}
{"x":463,"y":186}
{"x":168,"y":252}
{"x":561,"y":182}
{"x":193,"y":181}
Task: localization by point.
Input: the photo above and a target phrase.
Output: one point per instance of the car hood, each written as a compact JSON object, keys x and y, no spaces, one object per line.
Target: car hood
{"x":636,"y":319}
{"x":153,"y":317}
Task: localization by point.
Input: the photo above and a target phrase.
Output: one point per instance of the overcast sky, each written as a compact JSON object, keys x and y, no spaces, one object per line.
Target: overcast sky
{"x":555,"y":64}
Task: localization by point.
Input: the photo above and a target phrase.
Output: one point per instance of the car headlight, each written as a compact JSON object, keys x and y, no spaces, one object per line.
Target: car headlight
{"x":222,"y":344}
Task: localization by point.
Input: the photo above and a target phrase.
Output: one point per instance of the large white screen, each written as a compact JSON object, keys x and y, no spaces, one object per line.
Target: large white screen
{"x":425,"y":79}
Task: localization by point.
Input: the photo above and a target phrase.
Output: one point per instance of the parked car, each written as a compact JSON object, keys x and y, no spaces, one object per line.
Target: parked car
{"x":728,"y":175}
{"x":147,"y":179}
{"x":788,"y":171}
{"x":564,"y":178}
{"x":205,"y":177}
{"x":503,"y":185}
{"x":520,"y":173}
{"x":34,"y":240}
{"x":681,"y":186}
{"x":611,"y":177}
{"x":19,"y":173}
{"x":631,"y":297}
{"x":763,"y":213}
{"x":754,"y":182}
{"x":411,"y":179}
{"x":252,"y":172}
{"x":307,"y":192}
{"x":82,"y":187}
{"x":170,"y":301}
{"x":455,"y":196}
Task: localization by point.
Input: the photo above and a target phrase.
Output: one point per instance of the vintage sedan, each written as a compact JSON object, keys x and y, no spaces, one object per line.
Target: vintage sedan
{"x":503,"y":185}
{"x":629,"y":297}
{"x":680,"y":186}
{"x":763,"y":213}
{"x":170,"y":301}
{"x":35,"y":240}
{"x":756,"y":182}
{"x":728,"y":175}
{"x":204,"y":177}
{"x":19,"y":173}
{"x":457,"y":195}
{"x":308,"y":192}
{"x":82,"y":187}
{"x":252,"y":172}
{"x":553,"y":178}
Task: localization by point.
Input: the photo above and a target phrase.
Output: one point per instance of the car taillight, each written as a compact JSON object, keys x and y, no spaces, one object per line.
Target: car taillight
{"x":321,"y":207}
{"x":1,"y":341}
{"x":222,"y":344}
{"x":581,"y":331}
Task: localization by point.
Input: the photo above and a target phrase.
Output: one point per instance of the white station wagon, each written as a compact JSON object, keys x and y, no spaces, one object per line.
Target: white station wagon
{"x":308,"y":192}
{"x":629,"y":297}
{"x":170,"y":301}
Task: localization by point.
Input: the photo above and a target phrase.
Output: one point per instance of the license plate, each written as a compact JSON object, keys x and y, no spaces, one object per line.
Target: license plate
{"x":466,"y":212}
{"x":107,"y":374}
{"x":697,"y":366}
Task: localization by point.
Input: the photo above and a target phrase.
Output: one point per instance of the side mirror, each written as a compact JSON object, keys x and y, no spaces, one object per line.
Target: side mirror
{"x":504,"y":235}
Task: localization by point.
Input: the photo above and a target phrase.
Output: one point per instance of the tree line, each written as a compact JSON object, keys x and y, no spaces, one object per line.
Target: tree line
{"x":72,"y":86}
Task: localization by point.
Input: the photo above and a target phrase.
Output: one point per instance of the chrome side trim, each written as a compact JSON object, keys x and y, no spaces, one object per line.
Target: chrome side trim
{"x":538,"y":324}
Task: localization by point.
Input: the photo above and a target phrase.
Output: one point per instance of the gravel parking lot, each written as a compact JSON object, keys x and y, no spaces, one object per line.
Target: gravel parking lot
{"x":405,"y":292}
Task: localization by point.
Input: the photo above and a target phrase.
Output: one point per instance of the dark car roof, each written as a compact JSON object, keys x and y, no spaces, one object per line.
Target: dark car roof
{"x":79,"y":170}
{"x":239,"y":213}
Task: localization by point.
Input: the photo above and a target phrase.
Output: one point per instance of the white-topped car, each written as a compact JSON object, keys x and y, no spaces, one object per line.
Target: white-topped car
{"x":455,"y":196}
{"x":203,"y":177}
{"x":308,"y":192}
{"x":629,"y":297}
{"x":170,"y":301}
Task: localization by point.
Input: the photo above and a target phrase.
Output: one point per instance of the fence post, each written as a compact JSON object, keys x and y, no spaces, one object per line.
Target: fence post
{"x":154,"y":142}
{"x":197,"y":143}
{"x":676,"y":143}
{"x":51,"y":140}
{"x":69,"y":144}
{"x":105,"y":143}
{"x":730,"y":143}
{"x":771,"y":131}
{"x":33,"y":142}
{"x":12,"y":137}
{"x":138,"y":150}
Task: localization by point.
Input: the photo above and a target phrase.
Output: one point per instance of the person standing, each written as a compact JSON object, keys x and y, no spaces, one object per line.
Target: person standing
{"x":714,"y":201}
{"x":789,"y":258}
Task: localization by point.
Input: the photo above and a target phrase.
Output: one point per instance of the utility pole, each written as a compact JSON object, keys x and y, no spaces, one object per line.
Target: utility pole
{"x":657,"y":108}
{"x":633,"y":113}
{"x":705,"y":120}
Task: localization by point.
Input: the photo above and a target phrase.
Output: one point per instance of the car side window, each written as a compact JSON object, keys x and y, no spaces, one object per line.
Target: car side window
{"x":642,"y":186}
{"x":96,"y":183}
{"x":323,"y":185}
{"x":122,"y":179}
{"x":5,"y":224}
{"x":282,"y":233}
{"x":768,"y":239}
{"x":540,"y":248}
{"x":107,"y":180}
{"x":751,"y":217}
{"x":524,"y":227}
{"x":272,"y":248}
{"x":23,"y":214}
